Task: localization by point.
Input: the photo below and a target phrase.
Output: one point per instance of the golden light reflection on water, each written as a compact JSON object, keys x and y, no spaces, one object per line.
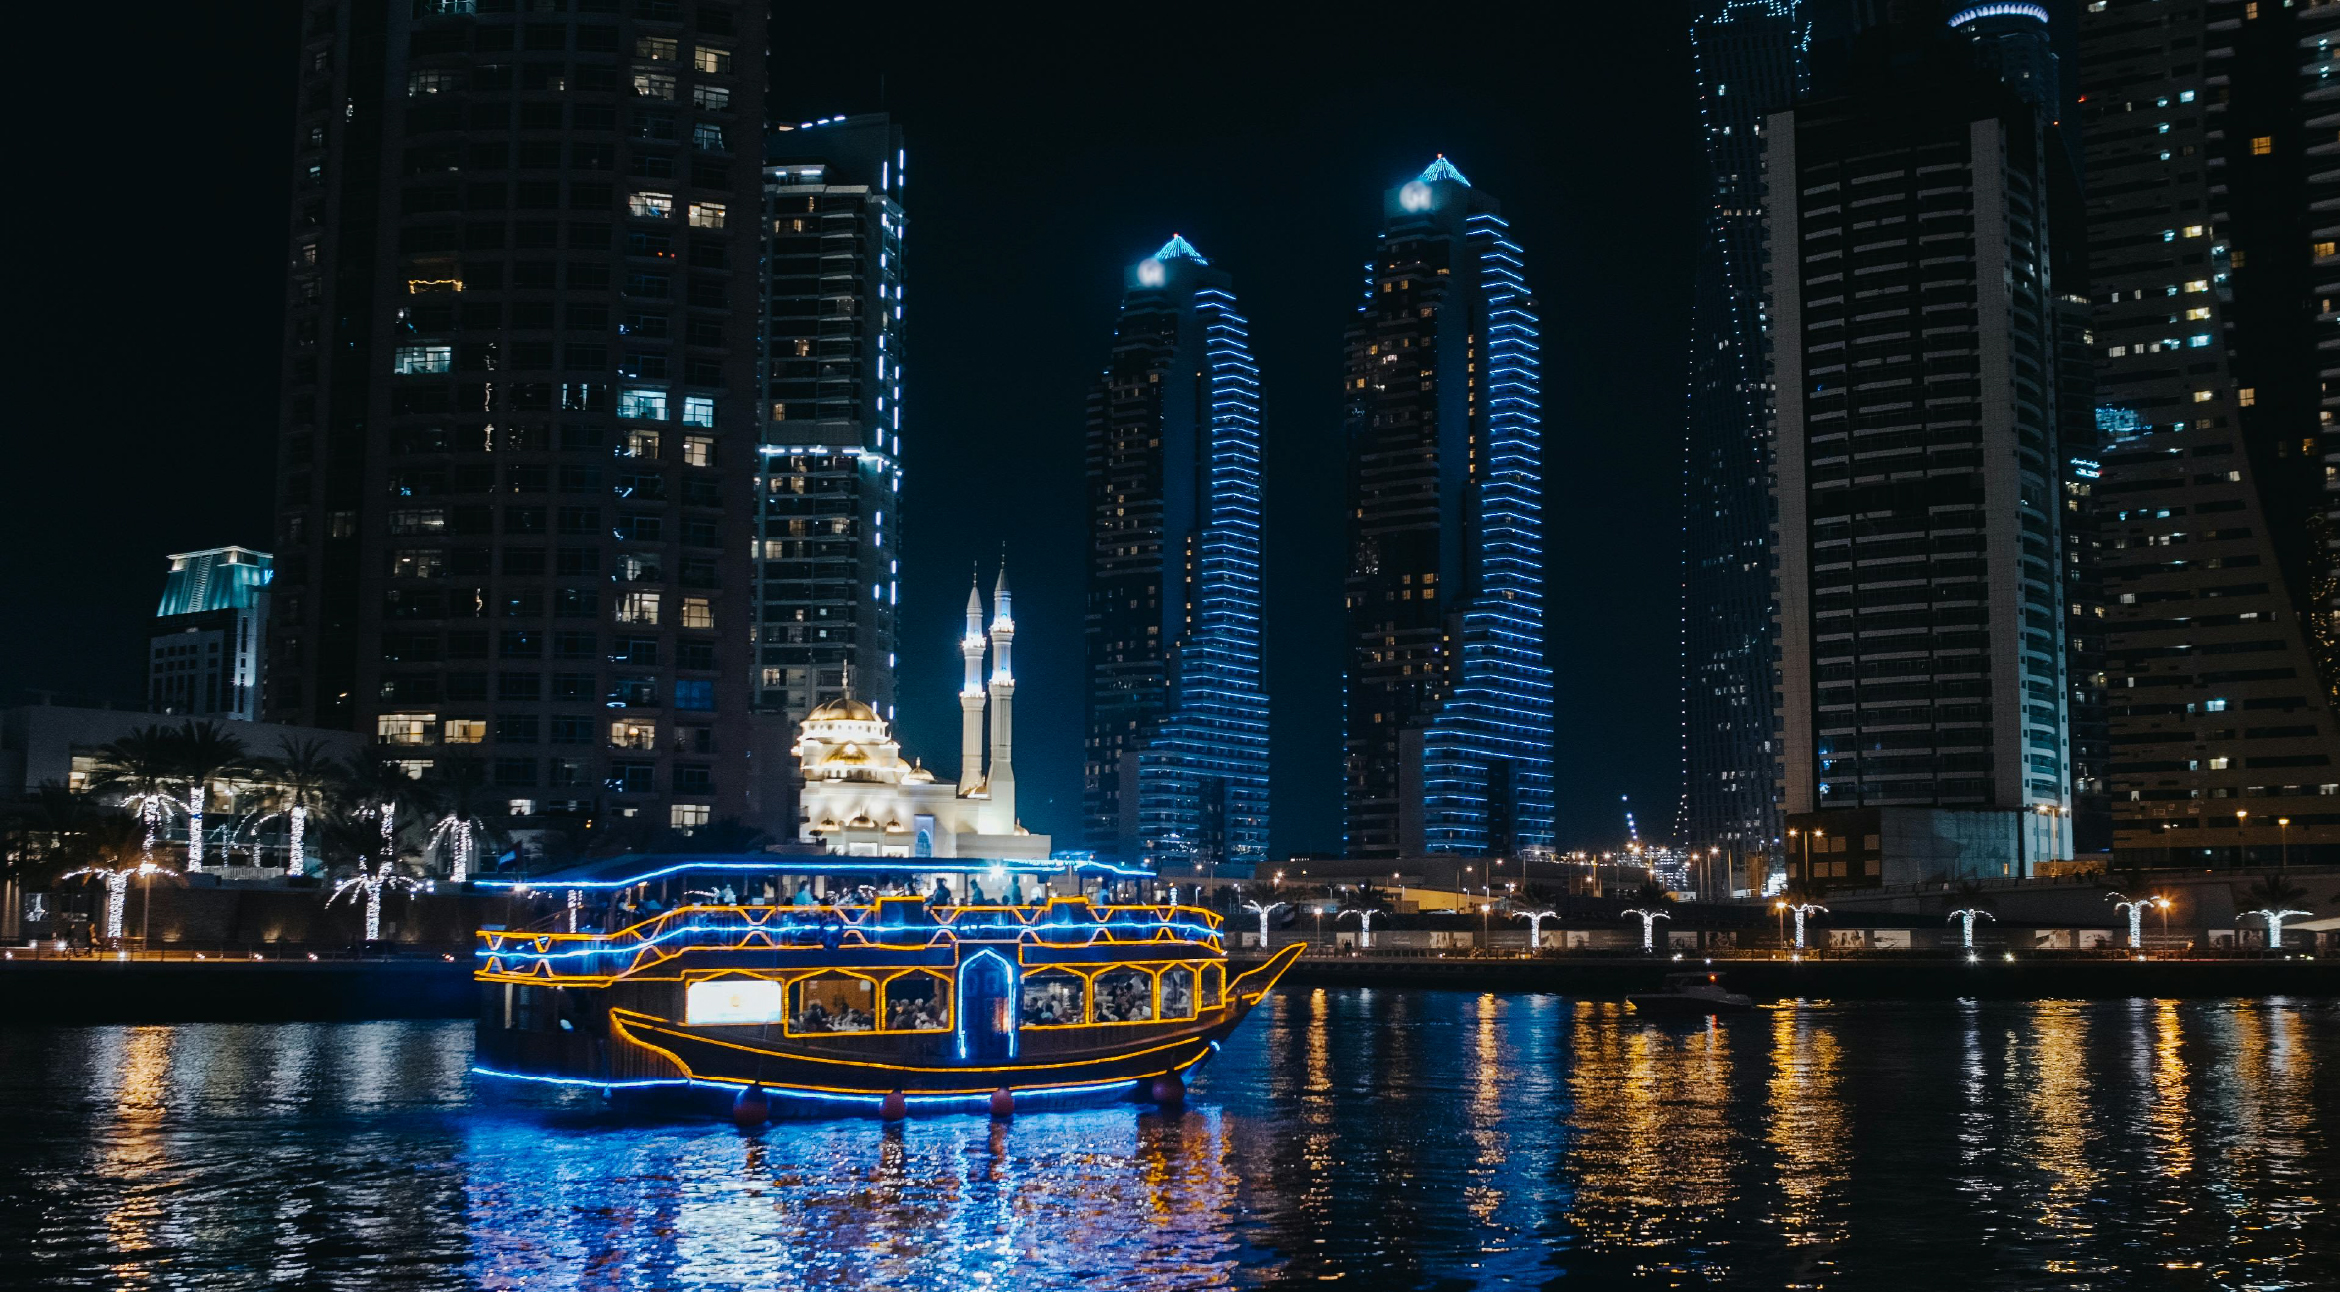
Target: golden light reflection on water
{"x":2048,"y":1081}
{"x":1806,"y":1128}
{"x":133,"y":1153}
{"x":1655,"y":1150}
{"x":2168,"y":1123}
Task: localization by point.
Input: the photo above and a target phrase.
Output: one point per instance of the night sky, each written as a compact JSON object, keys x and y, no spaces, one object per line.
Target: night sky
{"x":1043,"y":158}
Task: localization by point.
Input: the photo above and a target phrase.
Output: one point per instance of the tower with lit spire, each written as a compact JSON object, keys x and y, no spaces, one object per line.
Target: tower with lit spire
{"x":1002,"y":776}
{"x":971,"y":695}
{"x":1448,"y":747}
{"x":1177,"y":749}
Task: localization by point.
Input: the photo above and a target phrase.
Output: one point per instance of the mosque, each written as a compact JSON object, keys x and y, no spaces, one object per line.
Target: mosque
{"x":861,"y":799}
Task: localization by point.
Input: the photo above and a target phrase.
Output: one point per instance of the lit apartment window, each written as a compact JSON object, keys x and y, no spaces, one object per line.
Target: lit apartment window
{"x":696,"y":613}
{"x":418,"y":563}
{"x":2198,"y":340}
{"x":649,"y":405}
{"x":433,"y":81}
{"x":2214,"y":706}
{"x":522,"y":807}
{"x":698,"y":410}
{"x":2323,"y":250}
{"x":641,"y":444}
{"x":2193,"y":230}
{"x":653,"y":85}
{"x":706,"y":215}
{"x":2197,"y":284}
{"x":2247,"y":396}
{"x":660,"y":49}
{"x":709,"y":59}
{"x":2218,"y":764}
{"x":465,"y":731}
{"x":688,"y":816}
{"x":706,"y":136}
{"x":2262,"y":145}
{"x":638,"y":608}
{"x":651,"y":206}
{"x":411,"y":359}
{"x":711,"y":98}
{"x":698,"y":450}
{"x":2199,"y":312}
{"x":404,"y":728}
{"x":632,"y":733}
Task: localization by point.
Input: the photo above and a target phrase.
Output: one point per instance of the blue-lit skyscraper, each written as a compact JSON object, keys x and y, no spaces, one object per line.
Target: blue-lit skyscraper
{"x":1176,"y":763}
{"x":208,"y":655}
{"x":1448,"y":746}
{"x":1748,"y":61}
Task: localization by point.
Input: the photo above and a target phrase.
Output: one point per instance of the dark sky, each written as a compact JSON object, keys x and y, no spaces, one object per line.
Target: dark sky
{"x":1045,"y":154}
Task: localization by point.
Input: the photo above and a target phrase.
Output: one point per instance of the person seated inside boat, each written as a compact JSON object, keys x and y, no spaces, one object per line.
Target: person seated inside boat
{"x":1125,"y":997}
{"x":941,"y":896}
{"x":804,"y":895}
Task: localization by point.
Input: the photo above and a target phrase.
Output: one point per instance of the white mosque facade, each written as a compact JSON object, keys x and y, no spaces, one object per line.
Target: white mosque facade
{"x":862,"y":799}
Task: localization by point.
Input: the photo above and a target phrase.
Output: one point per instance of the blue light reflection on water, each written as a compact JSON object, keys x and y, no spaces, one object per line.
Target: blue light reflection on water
{"x":1375,"y":1139}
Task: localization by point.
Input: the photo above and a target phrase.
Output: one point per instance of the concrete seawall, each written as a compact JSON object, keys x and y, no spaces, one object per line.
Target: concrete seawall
{"x":1876,"y":978}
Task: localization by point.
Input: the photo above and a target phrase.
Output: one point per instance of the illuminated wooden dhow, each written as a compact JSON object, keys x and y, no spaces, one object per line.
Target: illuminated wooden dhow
{"x":893,"y":1005}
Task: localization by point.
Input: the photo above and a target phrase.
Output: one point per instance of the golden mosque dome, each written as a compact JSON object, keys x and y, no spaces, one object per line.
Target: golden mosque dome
{"x":847,"y":709}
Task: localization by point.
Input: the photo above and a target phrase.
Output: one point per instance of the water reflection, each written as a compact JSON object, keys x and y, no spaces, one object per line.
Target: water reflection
{"x":1374,"y":1139}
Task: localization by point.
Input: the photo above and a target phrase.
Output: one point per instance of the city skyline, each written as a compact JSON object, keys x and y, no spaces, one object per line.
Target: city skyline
{"x":1366,"y":165}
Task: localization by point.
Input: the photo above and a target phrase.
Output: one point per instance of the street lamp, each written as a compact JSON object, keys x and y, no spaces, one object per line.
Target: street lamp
{"x":2242,"y":851}
{"x":2283,"y":835}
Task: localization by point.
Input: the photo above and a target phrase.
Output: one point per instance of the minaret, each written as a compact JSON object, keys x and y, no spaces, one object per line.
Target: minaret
{"x":971,"y":696}
{"x":1003,"y":694}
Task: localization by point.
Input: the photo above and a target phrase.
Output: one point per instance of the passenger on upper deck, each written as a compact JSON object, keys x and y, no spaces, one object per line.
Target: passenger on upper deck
{"x":804,"y":895}
{"x":941,"y":896}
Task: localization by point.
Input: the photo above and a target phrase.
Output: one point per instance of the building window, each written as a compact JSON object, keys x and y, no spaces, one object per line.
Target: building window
{"x":698,"y":410}
{"x":419,"y":520}
{"x":465,"y":731}
{"x":2201,"y":396}
{"x":2262,"y":145}
{"x":404,"y":728}
{"x":641,"y":444}
{"x":696,"y":613}
{"x":699,"y":450}
{"x":651,"y":206}
{"x":711,"y":98}
{"x":516,"y":772}
{"x":653,"y":85}
{"x":638,"y":608}
{"x":688,"y":816}
{"x":706,"y":215}
{"x":2248,"y":396}
{"x":708,"y":59}
{"x":692,"y":693}
{"x":633,"y":734}
{"x":2197,"y":284}
{"x":409,"y":360}
{"x":433,"y":81}
{"x":418,"y":563}
{"x":522,"y":807}
{"x":648,"y":405}
{"x":658,"y":49}
{"x":631,"y":778}
{"x":706,"y":136}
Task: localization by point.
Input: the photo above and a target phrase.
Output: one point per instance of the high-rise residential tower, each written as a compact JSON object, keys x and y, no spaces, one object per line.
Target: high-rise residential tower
{"x":2209,"y":133}
{"x":1748,"y":59}
{"x":1448,"y":745}
{"x":1176,"y":766}
{"x":829,"y":528}
{"x":208,"y":656}
{"x":1920,"y":573}
{"x":520,"y":431}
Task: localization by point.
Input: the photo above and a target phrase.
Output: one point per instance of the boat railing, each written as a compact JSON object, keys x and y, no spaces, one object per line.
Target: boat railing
{"x":893,"y":923}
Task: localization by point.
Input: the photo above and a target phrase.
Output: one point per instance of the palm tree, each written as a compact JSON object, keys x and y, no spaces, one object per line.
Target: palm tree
{"x":112,"y":847}
{"x":201,"y":752}
{"x":466,"y":808}
{"x":368,"y":877}
{"x":2278,"y":900}
{"x":378,"y":789}
{"x":42,"y":829}
{"x":305,"y":777}
{"x":140,"y":771}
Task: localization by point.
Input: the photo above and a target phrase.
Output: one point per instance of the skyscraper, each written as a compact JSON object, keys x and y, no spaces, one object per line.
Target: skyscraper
{"x":519,"y":427}
{"x":1448,"y":746}
{"x":1176,"y":766}
{"x":829,"y":521}
{"x":1920,"y":573}
{"x":2210,"y":191}
{"x":1748,"y":58}
{"x":209,"y":652}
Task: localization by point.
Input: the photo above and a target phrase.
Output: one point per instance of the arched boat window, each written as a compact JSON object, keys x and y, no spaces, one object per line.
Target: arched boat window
{"x":1125,"y":996}
{"x":832,"y":1002}
{"x":1055,"y":998}
{"x":1178,"y":992}
{"x":918,"y":1001}
{"x":1213,"y":990}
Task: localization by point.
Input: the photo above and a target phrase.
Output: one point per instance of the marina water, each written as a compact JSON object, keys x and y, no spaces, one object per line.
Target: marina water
{"x":1370,"y":1139}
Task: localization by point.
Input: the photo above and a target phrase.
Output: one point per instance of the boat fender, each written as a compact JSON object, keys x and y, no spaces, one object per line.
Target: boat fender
{"x":1169,"y":1090}
{"x":894,"y":1107}
{"x":752,"y":1108}
{"x":1003,"y":1102}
